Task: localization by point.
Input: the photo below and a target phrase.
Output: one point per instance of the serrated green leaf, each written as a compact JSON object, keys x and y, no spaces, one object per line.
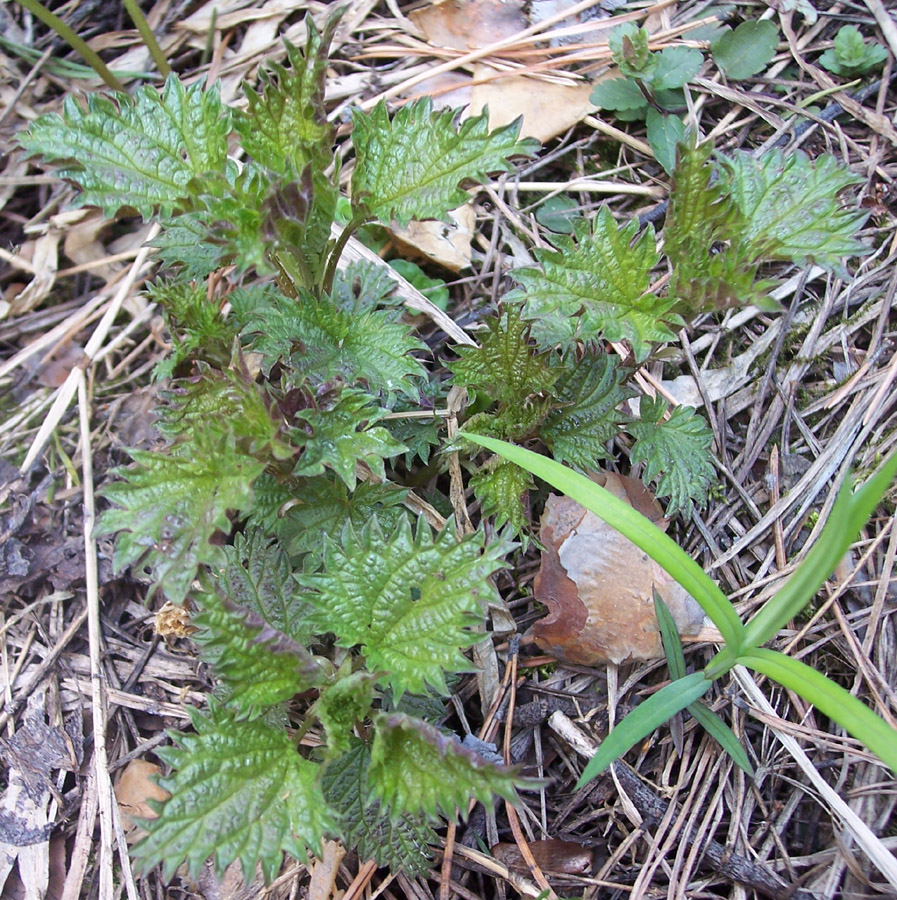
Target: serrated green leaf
{"x":416,"y":769}
{"x":197,"y":328}
{"x":173,"y":504}
{"x":501,"y":487}
{"x":370,"y":349}
{"x":595,"y":286}
{"x":676,"y":66}
{"x":257,"y":575}
{"x":139,"y":152}
{"x":323,"y":505}
{"x":429,"y":707}
{"x":747,"y":50}
{"x":402,"y":843}
{"x":239,"y":791}
{"x":409,"y":600}
{"x":713,"y":266}
{"x":363,"y":285}
{"x":676,"y":453}
{"x":184,"y":245}
{"x":791,"y":207}
{"x":419,"y":435}
{"x":296,"y":216}
{"x":258,"y":663}
{"x":414,"y":166}
{"x":322,"y":342}
{"x":618,"y":94}
{"x":506,"y":365}
{"x":339,"y":437}
{"x":285,"y":124}
{"x":644,"y":719}
{"x":342,"y":703}
{"x":851,"y":55}
{"x":230,"y":205}
{"x":849,"y":45}
{"x":586,"y":415}
{"x":299,"y":511}
{"x":664,"y":134}
{"x":232,"y":396}
{"x":512,"y":421}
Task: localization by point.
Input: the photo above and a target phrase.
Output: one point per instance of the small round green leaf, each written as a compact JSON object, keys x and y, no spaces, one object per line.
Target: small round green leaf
{"x":557,"y":214}
{"x":618,"y":93}
{"x":676,"y":66}
{"x":747,"y":50}
{"x":664,"y":134}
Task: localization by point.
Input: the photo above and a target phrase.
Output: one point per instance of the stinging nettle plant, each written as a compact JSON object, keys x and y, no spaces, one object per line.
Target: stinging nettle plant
{"x":332,"y":622}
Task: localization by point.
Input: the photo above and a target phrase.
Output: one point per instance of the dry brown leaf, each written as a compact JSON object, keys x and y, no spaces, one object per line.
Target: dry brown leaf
{"x":173,"y":621}
{"x":324,"y":873}
{"x":230,"y":885}
{"x":598,"y":586}
{"x":565,"y":857}
{"x":43,"y":254}
{"x":133,"y":787}
{"x":548,"y":109}
{"x":16,"y":165}
{"x":53,"y":371}
{"x":33,"y":753}
{"x":82,"y":245}
{"x":446,"y":243}
{"x":468,"y":24}
{"x":448,"y":90}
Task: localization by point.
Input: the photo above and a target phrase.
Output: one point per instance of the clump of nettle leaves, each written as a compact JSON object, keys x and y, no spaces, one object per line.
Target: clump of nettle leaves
{"x":333,"y":622}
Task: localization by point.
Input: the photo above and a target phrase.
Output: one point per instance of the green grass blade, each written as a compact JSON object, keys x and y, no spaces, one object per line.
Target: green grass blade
{"x":829,"y":698}
{"x":149,"y":39}
{"x":722,"y":734}
{"x":651,"y":714}
{"x":639,"y":529}
{"x":75,"y":42}
{"x":709,"y":720}
{"x":849,"y":513}
{"x":669,"y":634}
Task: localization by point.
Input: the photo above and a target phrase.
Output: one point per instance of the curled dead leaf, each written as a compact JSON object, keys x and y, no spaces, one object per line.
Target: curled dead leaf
{"x":465,"y":24}
{"x":548,"y":109}
{"x":446,"y":243}
{"x":563,"y":857}
{"x":133,"y":787}
{"x":598,"y":586}
{"x":173,"y":621}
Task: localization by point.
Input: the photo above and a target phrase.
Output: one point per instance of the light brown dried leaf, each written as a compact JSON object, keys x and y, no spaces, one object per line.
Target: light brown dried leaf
{"x":468,"y":24}
{"x":564,"y":857}
{"x":598,"y":586}
{"x":548,"y":109}
{"x":133,"y":787}
{"x":446,"y":243}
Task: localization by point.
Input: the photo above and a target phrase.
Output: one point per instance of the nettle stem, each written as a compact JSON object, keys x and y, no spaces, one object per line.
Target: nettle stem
{"x":337,"y":251}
